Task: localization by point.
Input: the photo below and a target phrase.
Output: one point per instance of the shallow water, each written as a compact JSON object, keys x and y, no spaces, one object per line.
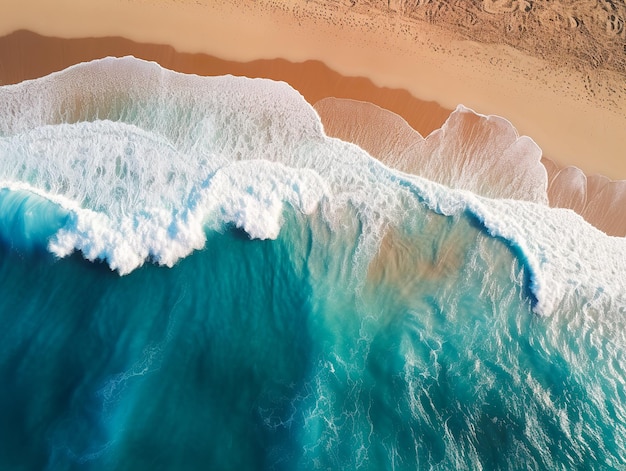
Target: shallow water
{"x":287,"y":302}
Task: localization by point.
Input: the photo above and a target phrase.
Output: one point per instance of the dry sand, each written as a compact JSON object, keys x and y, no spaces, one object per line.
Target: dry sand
{"x":570,"y":98}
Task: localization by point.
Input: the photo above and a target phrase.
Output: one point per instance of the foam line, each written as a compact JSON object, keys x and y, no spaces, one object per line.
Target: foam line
{"x":150,"y":159}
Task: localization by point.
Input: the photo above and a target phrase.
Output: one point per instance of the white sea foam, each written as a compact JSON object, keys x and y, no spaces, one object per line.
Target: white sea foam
{"x":564,"y":253}
{"x":483,"y":154}
{"x":151,"y":159}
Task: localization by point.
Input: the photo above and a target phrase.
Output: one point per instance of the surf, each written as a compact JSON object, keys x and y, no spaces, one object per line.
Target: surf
{"x":286,"y":299}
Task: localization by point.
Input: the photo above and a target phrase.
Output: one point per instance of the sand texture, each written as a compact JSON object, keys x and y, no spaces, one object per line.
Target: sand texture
{"x":590,"y":32}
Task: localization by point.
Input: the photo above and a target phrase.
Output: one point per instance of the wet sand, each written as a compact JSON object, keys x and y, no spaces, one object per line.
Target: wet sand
{"x":313,"y":79}
{"x":575,"y":113}
{"x":479,"y":153}
{"x":573,"y":109}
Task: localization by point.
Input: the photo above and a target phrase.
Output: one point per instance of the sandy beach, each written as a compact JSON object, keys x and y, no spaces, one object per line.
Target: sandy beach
{"x":575,"y":113}
{"x":417,"y":63}
{"x":312,"y":234}
{"x":313,"y":79}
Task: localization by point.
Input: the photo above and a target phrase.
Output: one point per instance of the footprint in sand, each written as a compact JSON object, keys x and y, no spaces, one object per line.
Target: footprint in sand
{"x":506,"y":6}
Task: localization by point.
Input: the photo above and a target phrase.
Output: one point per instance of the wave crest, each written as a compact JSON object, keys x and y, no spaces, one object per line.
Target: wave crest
{"x":150,"y":159}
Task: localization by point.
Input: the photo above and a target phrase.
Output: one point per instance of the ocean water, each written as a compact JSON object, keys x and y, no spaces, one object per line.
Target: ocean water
{"x":193,"y":276}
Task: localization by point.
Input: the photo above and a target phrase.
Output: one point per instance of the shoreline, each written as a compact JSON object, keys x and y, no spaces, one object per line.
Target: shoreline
{"x":574,"y":121}
{"x":595,"y":189}
{"x":312,"y":79}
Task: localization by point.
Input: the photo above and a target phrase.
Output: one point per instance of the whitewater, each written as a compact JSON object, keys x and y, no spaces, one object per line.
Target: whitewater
{"x":194,"y":275}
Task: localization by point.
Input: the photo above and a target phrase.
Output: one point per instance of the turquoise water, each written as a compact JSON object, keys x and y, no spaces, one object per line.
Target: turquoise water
{"x":254,"y":295}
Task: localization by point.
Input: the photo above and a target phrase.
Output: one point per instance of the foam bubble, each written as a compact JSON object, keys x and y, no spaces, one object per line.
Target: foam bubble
{"x":248,"y":195}
{"x":151,"y":159}
{"x":566,"y":256}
